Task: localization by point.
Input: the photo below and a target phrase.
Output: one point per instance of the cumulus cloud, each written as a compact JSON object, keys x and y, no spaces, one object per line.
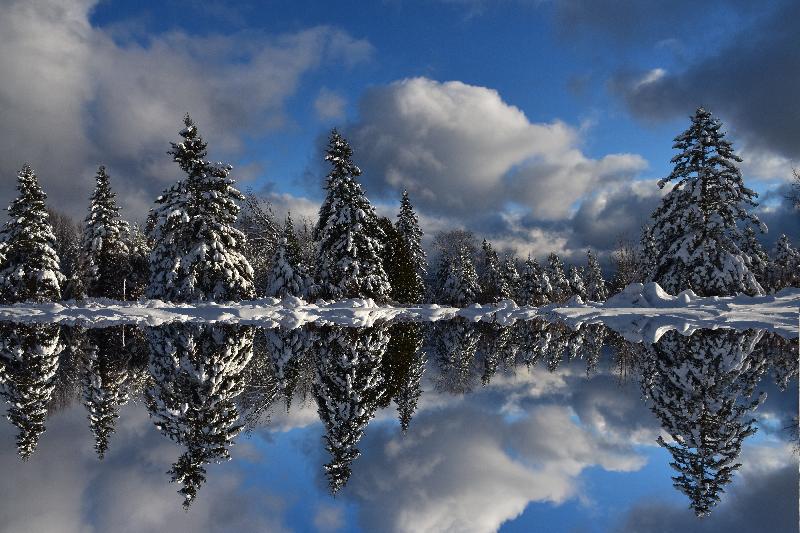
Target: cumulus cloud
{"x":460,"y":149}
{"x":329,"y":105}
{"x":73,"y":96}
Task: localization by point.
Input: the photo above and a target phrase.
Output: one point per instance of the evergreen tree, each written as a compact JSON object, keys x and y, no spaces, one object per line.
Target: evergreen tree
{"x":758,"y":257}
{"x":492,"y":281}
{"x":103,"y":248}
{"x":28,"y":366}
{"x":348,"y":391}
{"x":350,"y":242}
{"x":577,"y":287}
{"x":596,"y":289}
{"x":395,"y":259}
{"x":406,"y":362}
{"x":535,"y":284}
{"x":412,"y":283}
{"x":511,"y":276}
{"x":288,"y":276}
{"x":30,"y":267}
{"x":291,"y":353}
{"x":197,"y":374}
{"x":197,"y":253}
{"x":695,"y":227}
{"x":785,"y":267}
{"x":558,"y":279}
{"x":457,"y":279}
{"x":454,"y":344}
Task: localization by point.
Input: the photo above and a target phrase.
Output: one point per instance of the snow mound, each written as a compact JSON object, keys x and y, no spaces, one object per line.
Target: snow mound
{"x":646,"y":295}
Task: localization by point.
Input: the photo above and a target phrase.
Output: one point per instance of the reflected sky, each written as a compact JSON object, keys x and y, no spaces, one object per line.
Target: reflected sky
{"x":447,"y":426}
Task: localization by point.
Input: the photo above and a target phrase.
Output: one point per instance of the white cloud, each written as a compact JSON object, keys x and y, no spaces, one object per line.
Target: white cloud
{"x":329,"y":105}
{"x":73,"y":96}
{"x":460,"y":149}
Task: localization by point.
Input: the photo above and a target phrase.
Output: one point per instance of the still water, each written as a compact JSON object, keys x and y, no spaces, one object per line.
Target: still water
{"x":445,"y":426}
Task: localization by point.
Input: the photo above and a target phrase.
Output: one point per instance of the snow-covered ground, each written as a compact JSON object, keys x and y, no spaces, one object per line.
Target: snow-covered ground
{"x":640,"y":312}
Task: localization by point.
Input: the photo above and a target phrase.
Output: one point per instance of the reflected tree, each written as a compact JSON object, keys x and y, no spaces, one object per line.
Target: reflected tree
{"x":197,"y":374}
{"x":403,"y":367}
{"x":701,"y":388}
{"x":348,"y":389}
{"x":453,"y":345}
{"x":28,"y":366}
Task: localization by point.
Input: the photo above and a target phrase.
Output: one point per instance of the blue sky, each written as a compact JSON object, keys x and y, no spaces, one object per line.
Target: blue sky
{"x":538,"y":124}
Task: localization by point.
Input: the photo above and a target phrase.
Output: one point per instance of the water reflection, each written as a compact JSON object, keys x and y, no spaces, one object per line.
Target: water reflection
{"x":203,"y":384}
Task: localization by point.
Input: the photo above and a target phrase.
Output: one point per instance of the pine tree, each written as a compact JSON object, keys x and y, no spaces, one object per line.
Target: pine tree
{"x":197,"y":374}
{"x":68,"y":249}
{"x":758,"y":257}
{"x":558,"y":279}
{"x":406,"y":364}
{"x":197,"y":253}
{"x":103,"y":248}
{"x":492,"y":281}
{"x":596,"y":289}
{"x":695,"y":227}
{"x":348,"y":391}
{"x":288,"y":276}
{"x":349,"y":239}
{"x":454,"y":344}
{"x":457,"y":279}
{"x":30,"y":269}
{"x":785,"y":267}
{"x":535,"y":284}
{"x":412,"y":284}
{"x":511,"y":276}
{"x":577,"y":287}
{"x":28,"y":366}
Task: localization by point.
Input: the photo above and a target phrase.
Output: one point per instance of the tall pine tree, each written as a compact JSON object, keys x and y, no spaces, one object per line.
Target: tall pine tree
{"x":596,"y":289}
{"x":103,"y":248}
{"x":696,"y":227}
{"x":494,"y":285}
{"x":411,"y":285}
{"x":288,"y":276}
{"x":350,"y":241}
{"x":558,"y":279}
{"x":30,"y":268}
{"x":197,"y":251}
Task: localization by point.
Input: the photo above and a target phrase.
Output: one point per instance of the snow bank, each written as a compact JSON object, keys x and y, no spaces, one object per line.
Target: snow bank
{"x":640,"y":312}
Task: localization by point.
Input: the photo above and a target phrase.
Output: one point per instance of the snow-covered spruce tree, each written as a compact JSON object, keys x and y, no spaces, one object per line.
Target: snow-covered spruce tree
{"x":493,"y":284}
{"x":348,"y":391}
{"x":349,"y":239}
{"x":511,"y":276}
{"x":758,"y":257}
{"x":104,"y":251}
{"x":784,"y":270}
{"x":105,"y":382}
{"x":30,"y":270}
{"x":596,"y":289}
{"x":534,"y":284}
{"x":577,"y":286}
{"x":197,"y":374}
{"x":558,"y":279}
{"x":288,"y":276}
{"x":197,"y":252}
{"x":28,"y":366}
{"x":696,"y":227}
{"x":457,"y":278}
{"x":701,"y":388}
{"x":412,"y":285}
{"x":291,"y":353}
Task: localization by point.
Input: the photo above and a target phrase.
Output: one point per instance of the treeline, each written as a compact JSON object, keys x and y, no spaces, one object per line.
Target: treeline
{"x":205,"y":241}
